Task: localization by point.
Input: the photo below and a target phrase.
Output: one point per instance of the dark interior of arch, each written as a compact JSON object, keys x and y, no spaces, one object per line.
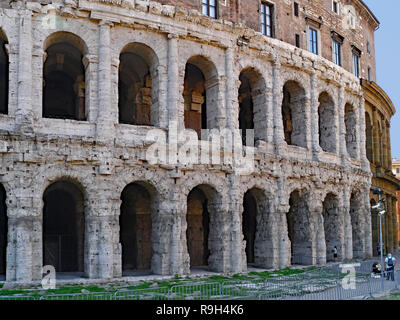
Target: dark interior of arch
{"x":195,"y":101}
{"x":249,"y":225}
{"x":246,"y":112}
{"x":293,"y":114}
{"x":331,"y":217}
{"x":326,"y":119}
{"x":198,"y":220}
{"x":3,"y":231}
{"x":3,"y":77}
{"x":351,"y":130}
{"x":368,"y":137}
{"x":63,"y":227}
{"x":135,"y":90}
{"x":299,"y":229}
{"x":64,"y":83}
{"x":356,"y":222}
{"x":136,"y":228}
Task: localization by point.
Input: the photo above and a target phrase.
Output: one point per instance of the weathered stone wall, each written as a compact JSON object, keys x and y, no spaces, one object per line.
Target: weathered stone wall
{"x":102,"y":156}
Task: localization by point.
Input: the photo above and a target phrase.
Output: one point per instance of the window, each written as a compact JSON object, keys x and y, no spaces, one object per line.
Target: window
{"x":368,"y":48}
{"x":356,"y":65}
{"x":267,"y":19}
{"x":337,"y":53}
{"x":398,"y":170}
{"x":297,"y":40}
{"x":210,"y":8}
{"x":337,"y":42}
{"x":335,"y":6}
{"x":356,"y":61}
{"x":369,"y":74}
{"x":313,"y":41}
{"x":296,"y":9}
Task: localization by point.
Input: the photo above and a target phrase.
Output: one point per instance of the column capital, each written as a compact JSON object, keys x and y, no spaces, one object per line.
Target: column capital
{"x":171,"y":36}
{"x":106,"y":23}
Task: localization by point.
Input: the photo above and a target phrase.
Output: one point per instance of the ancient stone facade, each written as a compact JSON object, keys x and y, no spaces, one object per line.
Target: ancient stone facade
{"x":309,"y":190}
{"x":379,"y":110}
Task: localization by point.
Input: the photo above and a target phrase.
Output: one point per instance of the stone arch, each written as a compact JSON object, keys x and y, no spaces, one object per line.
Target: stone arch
{"x":357,"y":225}
{"x":204,"y":225}
{"x":64,"y":226}
{"x":332,"y":225}
{"x":369,"y":138}
{"x":380,"y":146}
{"x":64,"y":83}
{"x":4,"y":73}
{"x":3,"y":231}
{"x":139,"y":207}
{"x":200,"y":94}
{"x":138,"y":85}
{"x":252,"y":103}
{"x":299,"y":228}
{"x":350,"y":120}
{"x":257,"y":228}
{"x":293,"y":114}
{"x":327,"y":125}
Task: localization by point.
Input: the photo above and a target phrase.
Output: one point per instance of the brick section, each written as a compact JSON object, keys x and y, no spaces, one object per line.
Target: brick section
{"x":287,"y":25}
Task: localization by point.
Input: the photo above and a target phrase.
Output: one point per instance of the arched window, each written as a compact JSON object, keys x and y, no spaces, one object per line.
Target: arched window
{"x":138,"y":85}
{"x":64,"y":77}
{"x":327,"y":126}
{"x":252,"y":104}
{"x":200,"y":94}
{"x":368,"y":138}
{"x":293,"y":114}
{"x":350,"y":121}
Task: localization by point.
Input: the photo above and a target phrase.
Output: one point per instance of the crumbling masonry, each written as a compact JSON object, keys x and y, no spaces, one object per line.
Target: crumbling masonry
{"x":89,"y":79}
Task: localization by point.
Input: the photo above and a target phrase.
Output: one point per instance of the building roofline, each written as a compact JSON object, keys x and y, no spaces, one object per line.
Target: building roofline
{"x":376,"y":90}
{"x":369,"y":12}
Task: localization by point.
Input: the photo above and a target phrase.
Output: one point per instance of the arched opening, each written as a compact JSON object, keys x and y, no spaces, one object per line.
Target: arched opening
{"x":249,"y":225}
{"x":356,"y":225}
{"x":3,"y":231}
{"x":257,"y":229}
{"x":200,"y":94}
{"x":4,"y":75}
{"x":64,"y":77}
{"x":350,"y":120}
{"x":327,"y":126}
{"x":331,"y":215}
{"x":138,"y":85}
{"x":294,"y":115}
{"x":252,"y":104}
{"x":198,"y":224}
{"x":368,"y":138}
{"x":299,"y":232}
{"x":380,"y":147}
{"x":63,"y":227}
{"x":136,"y":228}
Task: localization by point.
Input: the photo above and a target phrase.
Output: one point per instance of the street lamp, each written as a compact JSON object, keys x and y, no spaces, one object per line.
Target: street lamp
{"x":382,"y":211}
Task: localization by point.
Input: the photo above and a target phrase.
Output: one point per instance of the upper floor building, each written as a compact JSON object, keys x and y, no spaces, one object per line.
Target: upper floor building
{"x":341,"y":31}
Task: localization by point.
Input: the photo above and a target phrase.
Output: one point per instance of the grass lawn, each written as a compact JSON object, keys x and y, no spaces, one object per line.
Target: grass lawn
{"x":112,"y":287}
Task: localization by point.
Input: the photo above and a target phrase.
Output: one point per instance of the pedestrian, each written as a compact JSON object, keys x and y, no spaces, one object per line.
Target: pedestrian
{"x":378,"y":248}
{"x":376,"y":270}
{"x":334,"y":253}
{"x":390,"y":263}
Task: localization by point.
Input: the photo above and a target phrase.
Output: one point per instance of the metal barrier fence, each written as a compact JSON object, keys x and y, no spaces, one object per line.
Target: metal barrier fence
{"x":328,"y":283}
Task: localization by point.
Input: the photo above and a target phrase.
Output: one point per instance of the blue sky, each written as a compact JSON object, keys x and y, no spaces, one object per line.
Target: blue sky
{"x":387,"y":47}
